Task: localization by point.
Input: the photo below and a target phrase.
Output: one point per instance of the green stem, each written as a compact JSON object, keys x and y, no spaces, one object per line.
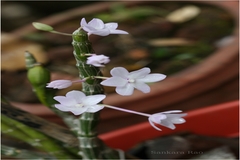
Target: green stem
{"x":61,"y":33}
{"x":91,"y":146}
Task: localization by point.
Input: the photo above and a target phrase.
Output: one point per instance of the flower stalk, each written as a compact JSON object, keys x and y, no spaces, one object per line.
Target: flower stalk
{"x":127,"y":110}
{"x":91,"y":147}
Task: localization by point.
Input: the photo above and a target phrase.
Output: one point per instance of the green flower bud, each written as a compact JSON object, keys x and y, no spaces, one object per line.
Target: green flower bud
{"x":38,"y":76}
{"x":41,"y":26}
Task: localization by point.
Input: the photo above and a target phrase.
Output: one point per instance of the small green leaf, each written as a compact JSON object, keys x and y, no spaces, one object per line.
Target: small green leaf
{"x":41,"y":26}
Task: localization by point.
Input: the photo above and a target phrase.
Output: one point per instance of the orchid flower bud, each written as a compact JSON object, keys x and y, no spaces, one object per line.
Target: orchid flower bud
{"x":38,"y":75}
{"x":41,"y":26}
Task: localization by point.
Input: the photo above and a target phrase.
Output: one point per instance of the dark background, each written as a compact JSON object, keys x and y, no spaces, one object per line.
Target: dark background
{"x":18,"y":13}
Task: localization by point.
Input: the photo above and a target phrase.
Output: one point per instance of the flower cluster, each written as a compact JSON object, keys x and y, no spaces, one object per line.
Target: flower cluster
{"x":124,"y":81}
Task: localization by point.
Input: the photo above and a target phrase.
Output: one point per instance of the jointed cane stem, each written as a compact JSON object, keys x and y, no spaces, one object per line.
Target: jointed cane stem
{"x":91,"y":146}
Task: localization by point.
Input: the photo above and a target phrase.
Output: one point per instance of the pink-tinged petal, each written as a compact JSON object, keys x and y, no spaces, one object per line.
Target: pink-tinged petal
{"x":126,"y":90}
{"x":95,"y":108}
{"x":103,"y":59}
{"x":142,"y":87}
{"x":65,"y":101}
{"x":97,"y":60}
{"x":93,"y":100}
{"x":77,"y":95}
{"x":167,"y":124}
{"x":119,"y":72}
{"x":111,"y":25}
{"x":178,"y":120}
{"x":78,"y":111}
{"x":153,"y":78}
{"x":96,"y":64}
{"x":96,"y":23}
{"x":114,"y":82}
{"x":83,"y":22}
{"x":87,"y":29}
{"x":176,"y":115}
{"x":102,"y":32}
{"x":62,"y":107}
{"x":118,"y":32}
{"x":153,"y":125}
{"x":59,"y":84}
{"x":157,"y":117}
{"x":172,"y":111}
{"x":139,"y":73}
{"x":93,"y":62}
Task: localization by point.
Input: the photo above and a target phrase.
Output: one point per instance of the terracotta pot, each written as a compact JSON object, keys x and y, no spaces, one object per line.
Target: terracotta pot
{"x":221,"y":120}
{"x":212,"y":81}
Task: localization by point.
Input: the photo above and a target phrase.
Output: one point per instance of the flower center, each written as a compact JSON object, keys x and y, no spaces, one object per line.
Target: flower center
{"x":79,"y":105}
{"x":130,"y":80}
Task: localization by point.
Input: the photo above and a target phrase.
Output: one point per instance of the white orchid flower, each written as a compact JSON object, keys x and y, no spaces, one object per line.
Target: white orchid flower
{"x":167,"y":119}
{"x":97,"y":27}
{"x":125,"y":82}
{"x":77,"y":102}
{"x":98,"y":60}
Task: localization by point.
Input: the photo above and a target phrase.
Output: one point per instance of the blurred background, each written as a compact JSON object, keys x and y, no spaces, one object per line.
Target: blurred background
{"x":170,"y":38}
{"x":16,"y":14}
